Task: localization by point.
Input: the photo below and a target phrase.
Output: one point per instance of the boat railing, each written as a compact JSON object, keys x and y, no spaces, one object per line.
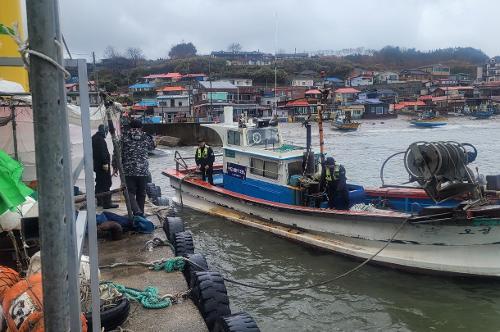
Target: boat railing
{"x":180,"y":161}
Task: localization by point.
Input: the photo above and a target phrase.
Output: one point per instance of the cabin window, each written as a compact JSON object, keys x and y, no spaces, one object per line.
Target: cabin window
{"x":263,"y":136}
{"x":265,"y":168}
{"x":233,"y":137}
{"x":295,"y":168}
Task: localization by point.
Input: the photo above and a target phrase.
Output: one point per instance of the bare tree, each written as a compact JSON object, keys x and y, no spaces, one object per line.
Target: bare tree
{"x":134,"y":54}
{"x":110,"y":52}
{"x":234,"y":47}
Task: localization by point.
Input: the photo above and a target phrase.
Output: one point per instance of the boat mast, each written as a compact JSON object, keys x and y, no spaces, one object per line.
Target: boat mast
{"x":275,"y":110}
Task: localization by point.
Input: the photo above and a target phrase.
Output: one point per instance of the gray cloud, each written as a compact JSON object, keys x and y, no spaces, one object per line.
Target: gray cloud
{"x":306,"y":25}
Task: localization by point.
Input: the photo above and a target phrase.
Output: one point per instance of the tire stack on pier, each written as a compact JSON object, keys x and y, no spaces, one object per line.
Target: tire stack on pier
{"x":208,"y":290}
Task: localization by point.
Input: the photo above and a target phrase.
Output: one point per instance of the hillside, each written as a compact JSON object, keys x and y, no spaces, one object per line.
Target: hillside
{"x":460,"y":59}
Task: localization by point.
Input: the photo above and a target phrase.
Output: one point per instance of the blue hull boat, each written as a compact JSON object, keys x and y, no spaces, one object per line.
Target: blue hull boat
{"x":428,"y":124}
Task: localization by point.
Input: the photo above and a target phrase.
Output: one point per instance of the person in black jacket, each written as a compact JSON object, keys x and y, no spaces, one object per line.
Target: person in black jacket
{"x":102,"y":169}
{"x":204,"y":157}
{"x":135,"y":145}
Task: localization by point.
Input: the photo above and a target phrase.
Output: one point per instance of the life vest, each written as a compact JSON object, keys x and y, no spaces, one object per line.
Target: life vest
{"x":336,"y":173}
{"x":202,"y":153}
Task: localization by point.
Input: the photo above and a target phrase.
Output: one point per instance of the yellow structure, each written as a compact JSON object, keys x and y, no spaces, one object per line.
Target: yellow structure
{"x":11,"y":65}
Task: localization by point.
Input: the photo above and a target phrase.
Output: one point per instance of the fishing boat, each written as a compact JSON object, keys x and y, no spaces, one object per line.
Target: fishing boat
{"x":485,"y":111}
{"x":343,"y":122}
{"x":429,"y":120}
{"x":446,"y":226}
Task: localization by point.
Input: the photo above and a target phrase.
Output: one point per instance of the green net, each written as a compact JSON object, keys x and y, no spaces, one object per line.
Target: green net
{"x":13,"y":191}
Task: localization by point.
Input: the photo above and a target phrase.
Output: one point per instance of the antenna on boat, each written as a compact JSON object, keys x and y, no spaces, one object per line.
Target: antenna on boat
{"x":275,"y":106}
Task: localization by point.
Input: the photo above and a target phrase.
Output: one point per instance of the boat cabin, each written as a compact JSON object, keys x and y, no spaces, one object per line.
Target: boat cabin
{"x":256,"y":161}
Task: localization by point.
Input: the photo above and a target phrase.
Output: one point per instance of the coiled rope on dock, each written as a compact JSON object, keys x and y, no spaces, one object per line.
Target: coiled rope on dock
{"x":148,"y":298}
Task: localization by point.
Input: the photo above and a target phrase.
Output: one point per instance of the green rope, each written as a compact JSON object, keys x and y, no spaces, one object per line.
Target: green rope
{"x":170,"y":265}
{"x":149,"y":297}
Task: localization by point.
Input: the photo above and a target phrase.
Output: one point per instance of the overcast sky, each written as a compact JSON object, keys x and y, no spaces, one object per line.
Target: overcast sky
{"x":307,"y":25}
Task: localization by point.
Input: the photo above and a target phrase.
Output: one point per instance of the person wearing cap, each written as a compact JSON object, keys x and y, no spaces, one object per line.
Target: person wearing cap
{"x":204,"y":157}
{"x":336,"y":185}
{"x":135,"y":145}
{"x":102,"y":169}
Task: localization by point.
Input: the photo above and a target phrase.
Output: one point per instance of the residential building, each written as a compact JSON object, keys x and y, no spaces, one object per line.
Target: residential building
{"x":345,"y":96}
{"x":313,"y":94}
{"x":305,"y":82}
{"x":174,"y":102}
{"x":288,"y":56}
{"x":73,"y":93}
{"x":461,"y":78}
{"x":240,"y":81}
{"x":386,"y":77}
{"x":374,"y":109}
{"x":141,"y":88}
{"x":162,"y":79}
{"x":299,"y":109}
{"x":359,"y":80}
{"x":465,"y":91}
{"x":489,"y":72}
{"x":255,"y":58}
{"x":414,"y":75}
{"x":410,"y":106}
{"x":436,"y":70}
{"x":356,"y":111}
{"x":334,"y":82}
{"x":385,"y":95}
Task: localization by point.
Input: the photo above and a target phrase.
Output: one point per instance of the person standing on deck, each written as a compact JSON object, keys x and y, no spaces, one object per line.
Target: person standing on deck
{"x":135,"y":146}
{"x":336,"y":185}
{"x":102,"y":167}
{"x":204,"y":157}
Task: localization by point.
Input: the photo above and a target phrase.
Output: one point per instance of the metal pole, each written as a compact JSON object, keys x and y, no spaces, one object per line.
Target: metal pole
{"x":89,"y":186}
{"x":46,"y":82}
{"x":14,"y":129}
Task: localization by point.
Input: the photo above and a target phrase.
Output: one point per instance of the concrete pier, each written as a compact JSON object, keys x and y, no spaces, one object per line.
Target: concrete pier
{"x":179,"y":317}
{"x":187,"y":132}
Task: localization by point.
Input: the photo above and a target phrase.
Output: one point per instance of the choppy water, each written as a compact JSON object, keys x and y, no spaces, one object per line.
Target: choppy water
{"x":372,"y":299}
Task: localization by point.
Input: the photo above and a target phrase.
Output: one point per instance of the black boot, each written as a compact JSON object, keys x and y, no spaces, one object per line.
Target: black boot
{"x":108,"y":204}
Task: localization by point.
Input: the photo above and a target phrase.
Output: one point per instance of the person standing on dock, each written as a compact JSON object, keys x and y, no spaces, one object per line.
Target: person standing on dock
{"x":102,"y":168}
{"x":135,"y":146}
{"x":336,"y":185}
{"x":205,"y":158}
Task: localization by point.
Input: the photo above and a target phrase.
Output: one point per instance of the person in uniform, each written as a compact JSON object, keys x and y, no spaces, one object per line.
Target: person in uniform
{"x":102,"y":169}
{"x":204,"y":157}
{"x":336,"y":185}
{"x":135,"y":145}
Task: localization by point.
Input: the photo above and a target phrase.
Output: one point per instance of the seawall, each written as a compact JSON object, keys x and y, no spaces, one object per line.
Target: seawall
{"x":187,"y":132}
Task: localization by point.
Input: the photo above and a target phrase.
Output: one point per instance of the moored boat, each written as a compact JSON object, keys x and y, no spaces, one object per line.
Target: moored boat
{"x":270,"y":185}
{"x":343,"y":122}
{"x":485,"y":111}
{"x":429,"y":120}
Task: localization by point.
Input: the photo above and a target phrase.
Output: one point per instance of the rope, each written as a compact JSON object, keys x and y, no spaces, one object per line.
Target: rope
{"x":321,"y":283}
{"x":148,"y":297}
{"x":24,"y":49}
{"x":170,"y":265}
{"x":167,"y":265}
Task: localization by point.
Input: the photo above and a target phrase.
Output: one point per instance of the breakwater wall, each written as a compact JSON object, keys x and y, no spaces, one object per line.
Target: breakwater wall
{"x":187,"y":132}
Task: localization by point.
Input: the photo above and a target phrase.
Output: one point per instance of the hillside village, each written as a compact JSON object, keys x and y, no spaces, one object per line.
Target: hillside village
{"x":169,"y":97}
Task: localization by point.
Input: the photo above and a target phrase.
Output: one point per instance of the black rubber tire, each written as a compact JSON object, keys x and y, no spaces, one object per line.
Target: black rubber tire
{"x":157,"y":191}
{"x":183,"y":243}
{"x":149,"y":189}
{"x":210,"y":296}
{"x":113,"y":317}
{"x":239,"y":322}
{"x":190,"y":268}
{"x":162,"y":201}
{"x":171,"y":226}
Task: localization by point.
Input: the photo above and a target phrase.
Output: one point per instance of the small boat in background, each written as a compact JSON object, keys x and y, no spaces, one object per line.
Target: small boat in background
{"x":429,"y":120}
{"x":485,"y":111}
{"x":343,"y":122}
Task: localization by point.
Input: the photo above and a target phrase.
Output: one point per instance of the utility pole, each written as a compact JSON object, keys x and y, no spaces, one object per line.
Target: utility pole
{"x":47,"y":86}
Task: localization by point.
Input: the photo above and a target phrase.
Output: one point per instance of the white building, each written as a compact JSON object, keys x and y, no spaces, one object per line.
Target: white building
{"x":387,"y":77}
{"x":359,"y":80}
{"x":489,"y":72}
{"x":307,"y":82}
{"x":239,"y":82}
